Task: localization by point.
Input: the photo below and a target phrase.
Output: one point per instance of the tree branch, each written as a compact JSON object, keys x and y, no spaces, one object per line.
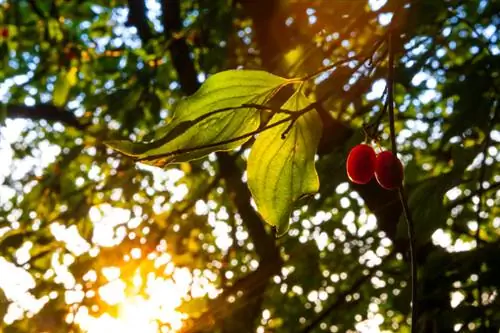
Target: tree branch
{"x":46,"y":112}
{"x":404,"y":203}
{"x":180,"y":54}
{"x":137,"y":17}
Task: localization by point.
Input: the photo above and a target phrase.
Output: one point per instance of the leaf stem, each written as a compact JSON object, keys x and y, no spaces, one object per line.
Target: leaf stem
{"x":330,"y":67}
{"x":402,"y":198}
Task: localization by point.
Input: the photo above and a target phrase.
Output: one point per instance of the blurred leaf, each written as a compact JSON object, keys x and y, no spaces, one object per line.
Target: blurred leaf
{"x":85,"y":229}
{"x":194,"y":307}
{"x":54,"y":29}
{"x":62,"y":87}
{"x":280,"y":171}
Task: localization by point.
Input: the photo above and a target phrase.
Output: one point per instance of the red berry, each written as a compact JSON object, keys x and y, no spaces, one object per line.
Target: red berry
{"x":4,"y":32}
{"x":389,"y":171}
{"x":361,"y":164}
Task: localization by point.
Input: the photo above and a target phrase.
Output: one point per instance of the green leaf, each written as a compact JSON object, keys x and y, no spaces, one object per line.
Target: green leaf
{"x":203,"y":122}
{"x":280,"y":171}
{"x":64,"y":82}
{"x":54,"y":29}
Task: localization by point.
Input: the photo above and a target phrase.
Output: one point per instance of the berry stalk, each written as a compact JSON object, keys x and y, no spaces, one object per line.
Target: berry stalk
{"x":402,"y":198}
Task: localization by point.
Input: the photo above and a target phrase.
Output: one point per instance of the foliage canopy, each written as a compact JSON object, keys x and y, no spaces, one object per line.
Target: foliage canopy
{"x":147,"y":143}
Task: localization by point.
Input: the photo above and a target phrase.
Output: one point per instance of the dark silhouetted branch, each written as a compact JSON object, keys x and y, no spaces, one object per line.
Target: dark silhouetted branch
{"x":137,"y":17}
{"x":36,"y":9}
{"x":179,"y":49}
{"x":46,"y":112}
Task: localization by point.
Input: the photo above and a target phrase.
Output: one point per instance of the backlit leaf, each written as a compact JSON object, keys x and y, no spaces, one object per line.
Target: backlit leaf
{"x":280,"y":171}
{"x":207,"y":118}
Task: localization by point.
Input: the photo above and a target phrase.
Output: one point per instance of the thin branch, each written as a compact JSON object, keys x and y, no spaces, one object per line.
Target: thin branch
{"x":402,"y":198}
{"x":330,"y":67}
{"x":36,"y":9}
{"x":467,"y":198}
{"x":361,"y":58}
{"x":48,"y":112}
{"x":376,"y":123}
{"x":340,"y":300}
{"x":54,"y":11}
{"x":367,"y":58}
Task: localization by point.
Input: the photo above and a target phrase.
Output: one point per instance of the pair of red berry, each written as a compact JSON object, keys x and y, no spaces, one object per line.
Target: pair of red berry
{"x":363,"y":163}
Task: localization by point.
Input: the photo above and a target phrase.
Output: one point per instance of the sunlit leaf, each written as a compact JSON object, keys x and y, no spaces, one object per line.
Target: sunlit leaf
{"x":64,"y":82}
{"x":194,"y":307}
{"x":207,"y":118}
{"x":280,"y":171}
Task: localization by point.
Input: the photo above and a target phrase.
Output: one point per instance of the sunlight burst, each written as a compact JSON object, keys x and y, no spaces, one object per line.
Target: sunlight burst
{"x":151,"y":313}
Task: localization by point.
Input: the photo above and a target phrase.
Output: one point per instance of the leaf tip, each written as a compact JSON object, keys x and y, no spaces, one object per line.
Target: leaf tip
{"x":125,"y":147}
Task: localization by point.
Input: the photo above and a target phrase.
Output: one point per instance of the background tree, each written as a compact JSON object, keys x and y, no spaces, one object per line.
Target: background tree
{"x":76,"y":215}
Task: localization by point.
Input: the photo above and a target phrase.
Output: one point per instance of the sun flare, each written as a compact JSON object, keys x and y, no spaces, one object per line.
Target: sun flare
{"x":154,"y":310}
{"x":136,"y":314}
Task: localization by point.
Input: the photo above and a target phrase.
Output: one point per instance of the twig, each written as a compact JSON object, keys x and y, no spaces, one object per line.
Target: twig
{"x":467,"y":198}
{"x":340,"y":300}
{"x":36,"y":9}
{"x":376,"y":123}
{"x":330,"y":67}
{"x":370,"y":55}
{"x":292,"y":116}
{"x":402,"y":198}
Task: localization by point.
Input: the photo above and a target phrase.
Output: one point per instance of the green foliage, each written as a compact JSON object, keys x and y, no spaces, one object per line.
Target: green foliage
{"x":77,"y":74}
{"x":281,"y":164}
